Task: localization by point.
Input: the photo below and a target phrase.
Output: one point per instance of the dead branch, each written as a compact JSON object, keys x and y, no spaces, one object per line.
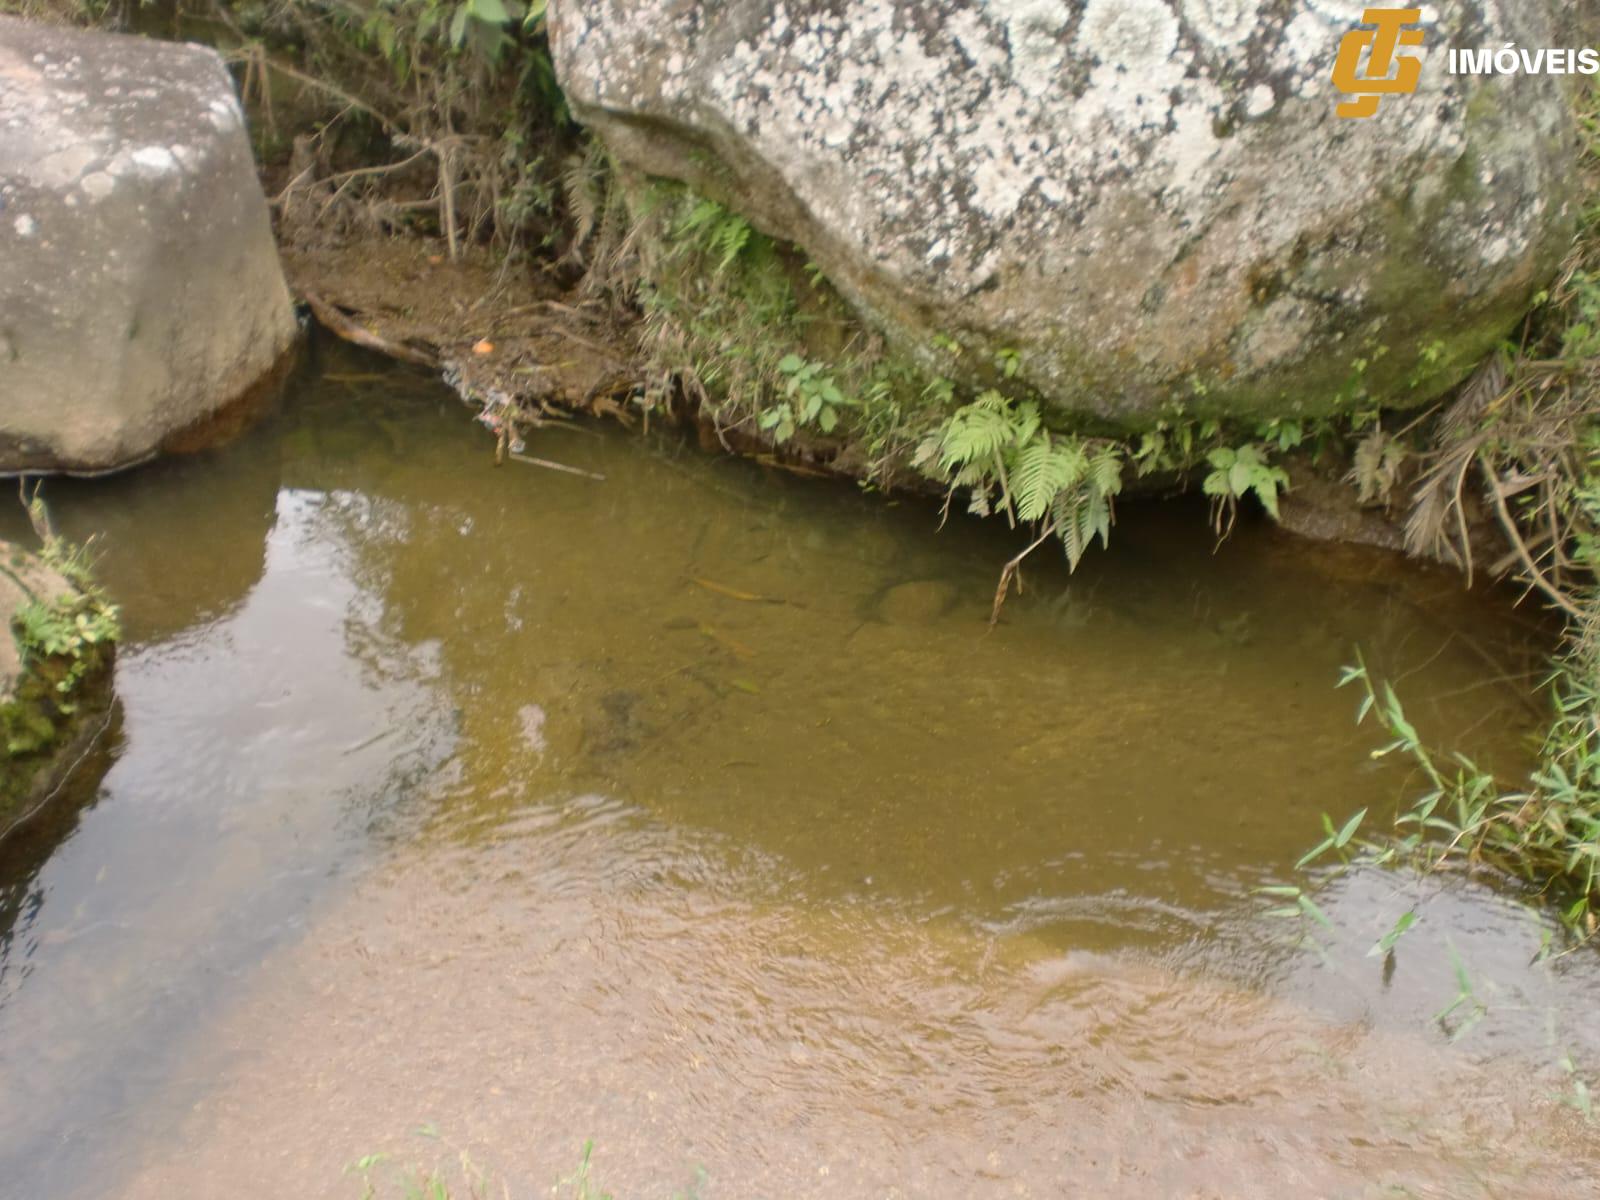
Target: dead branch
{"x":1498,"y":492}
{"x":321,"y":85}
{"x":1010,"y":572}
{"x":555,"y":466}
{"x":337,"y":323}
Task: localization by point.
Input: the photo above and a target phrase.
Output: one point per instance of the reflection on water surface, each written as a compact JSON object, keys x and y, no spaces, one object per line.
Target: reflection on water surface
{"x":695,"y":811}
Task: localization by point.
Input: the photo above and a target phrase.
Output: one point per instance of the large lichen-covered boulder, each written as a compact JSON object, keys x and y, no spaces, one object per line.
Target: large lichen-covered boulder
{"x":140,"y":291}
{"x":1149,"y":201}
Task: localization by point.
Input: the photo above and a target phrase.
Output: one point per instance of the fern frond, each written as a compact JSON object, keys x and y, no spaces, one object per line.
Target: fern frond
{"x":975,"y":432}
{"x":1068,"y":508}
{"x":1376,"y":468}
{"x":1081,"y":515}
{"x":729,"y":238}
{"x":1026,"y":423}
{"x":581,"y":182}
{"x":1099,"y":512}
{"x":711,"y":230}
{"x":1041,"y":471}
{"x":703,"y":214}
{"x":973,"y":475}
{"x":1105,"y":471}
{"x":610,"y":227}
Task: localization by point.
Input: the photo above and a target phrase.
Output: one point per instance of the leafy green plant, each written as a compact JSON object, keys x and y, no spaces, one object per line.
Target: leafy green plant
{"x":1170,"y":444}
{"x":972,"y":447}
{"x":1336,"y":839}
{"x":732,"y":323}
{"x":70,"y":627}
{"x":1545,"y":833}
{"x":1303,"y":905}
{"x":1580,"y":336}
{"x":1282,"y":433}
{"x":1385,"y":945}
{"x":65,"y":627}
{"x":63,"y":640}
{"x":581,"y":1181}
{"x":382,"y":1177}
{"x":720,"y":234}
{"x":1061,"y":485}
{"x":450,"y":108}
{"x":810,"y":398}
{"x":1465,"y":1000}
{"x":402,"y":30}
{"x":1236,"y":473}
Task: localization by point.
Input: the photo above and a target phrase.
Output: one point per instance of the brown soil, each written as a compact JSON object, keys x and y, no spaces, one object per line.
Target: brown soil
{"x":516,"y":337}
{"x":497,"y":333}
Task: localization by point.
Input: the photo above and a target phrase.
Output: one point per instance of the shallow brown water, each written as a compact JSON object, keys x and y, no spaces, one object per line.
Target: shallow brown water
{"x":695,"y":812}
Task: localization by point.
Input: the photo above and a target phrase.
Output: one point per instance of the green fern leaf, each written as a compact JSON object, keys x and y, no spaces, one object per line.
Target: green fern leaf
{"x":1041,"y":472}
{"x":580,"y":181}
{"x":1026,"y":423}
{"x":1068,"y":508}
{"x":1105,"y":471}
{"x":1081,"y":515}
{"x":973,"y":475}
{"x":731,"y":236}
{"x":704,"y":215}
{"x":1097,"y":506}
{"x":1033,"y":483}
{"x":974,"y":433}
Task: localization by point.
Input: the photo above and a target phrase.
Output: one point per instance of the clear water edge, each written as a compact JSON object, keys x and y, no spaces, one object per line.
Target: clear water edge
{"x":696,"y":811}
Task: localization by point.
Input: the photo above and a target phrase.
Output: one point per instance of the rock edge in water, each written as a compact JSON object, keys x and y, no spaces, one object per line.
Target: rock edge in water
{"x":55,"y":675}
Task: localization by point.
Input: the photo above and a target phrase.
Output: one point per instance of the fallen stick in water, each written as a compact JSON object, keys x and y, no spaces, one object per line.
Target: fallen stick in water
{"x":337,"y":323}
{"x":555,"y":466}
{"x":723,"y":589}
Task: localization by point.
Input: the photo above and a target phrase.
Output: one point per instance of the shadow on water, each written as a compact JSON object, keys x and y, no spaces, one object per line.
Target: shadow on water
{"x":267,"y":735}
{"x":28,"y":848}
{"x":697,"y":810}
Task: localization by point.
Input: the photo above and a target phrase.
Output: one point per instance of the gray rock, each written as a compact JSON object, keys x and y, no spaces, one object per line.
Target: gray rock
{"x":919,"y":602}
{"x":140,"y":290}
{"x":1322,"y":505}
{"x":1148,"y":200}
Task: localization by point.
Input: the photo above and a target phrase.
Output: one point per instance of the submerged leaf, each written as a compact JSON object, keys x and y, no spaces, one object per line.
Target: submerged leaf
{"x":1387,"y":942}
{"x":1309,"y":907}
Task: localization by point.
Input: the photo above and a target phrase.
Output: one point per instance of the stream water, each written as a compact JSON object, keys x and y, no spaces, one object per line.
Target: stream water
{"x":695,"y":811}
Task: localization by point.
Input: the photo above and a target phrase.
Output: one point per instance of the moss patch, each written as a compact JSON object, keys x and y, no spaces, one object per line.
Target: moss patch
{"x":57,"y":689}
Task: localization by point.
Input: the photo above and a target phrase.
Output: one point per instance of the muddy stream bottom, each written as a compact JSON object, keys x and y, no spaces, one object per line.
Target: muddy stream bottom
{"x":694,"y":811}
